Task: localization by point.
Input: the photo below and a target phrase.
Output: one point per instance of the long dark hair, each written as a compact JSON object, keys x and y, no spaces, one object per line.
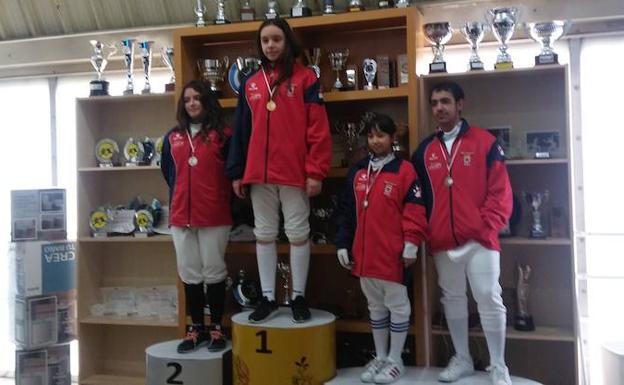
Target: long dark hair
{"x":213,"y":116}
{"x":292,"y":48}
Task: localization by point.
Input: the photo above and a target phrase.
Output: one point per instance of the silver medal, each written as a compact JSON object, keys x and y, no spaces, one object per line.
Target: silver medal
{"x":192,"y":161}
{"x":448,"y":181}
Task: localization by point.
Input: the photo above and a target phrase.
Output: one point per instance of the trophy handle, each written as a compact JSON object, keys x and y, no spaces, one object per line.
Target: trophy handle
{"x":226,"y":60}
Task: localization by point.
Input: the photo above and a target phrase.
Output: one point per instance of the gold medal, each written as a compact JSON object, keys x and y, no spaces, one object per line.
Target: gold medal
{"x":271,"y":106}
{"x":365,"y":204}
{"x":192,"y":161}
{"x":448,"y":181}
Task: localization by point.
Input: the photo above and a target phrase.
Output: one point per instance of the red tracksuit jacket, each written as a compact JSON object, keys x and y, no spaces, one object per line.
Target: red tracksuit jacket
{"x":199,"y":196}
{"x":395,"y":214}
{"x":479,"y":201}
{"x":284,"y":146}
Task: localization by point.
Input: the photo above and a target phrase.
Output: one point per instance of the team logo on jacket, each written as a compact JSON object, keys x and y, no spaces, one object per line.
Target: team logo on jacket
{"x":467,"y":158}
{"x":291,"y":90}
{"x":255,"y":96}
{"x":389,"y":186}
{"x":253,"y":86}
{"x":416,"y":191}
{"x":177,"y":139}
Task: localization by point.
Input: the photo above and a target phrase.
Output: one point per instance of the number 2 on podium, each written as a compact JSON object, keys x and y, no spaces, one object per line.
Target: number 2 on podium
{"x":263,"y":343}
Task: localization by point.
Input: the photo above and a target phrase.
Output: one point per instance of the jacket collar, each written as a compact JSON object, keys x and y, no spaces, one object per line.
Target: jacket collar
{"x":464,"y":128}
{"x":392,"y":166}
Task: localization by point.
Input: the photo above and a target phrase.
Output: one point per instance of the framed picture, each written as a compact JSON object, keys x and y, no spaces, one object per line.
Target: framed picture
{"x":24,"y":229}
{"x":51,"y":222}
{"x":52,"y":201}
{"x":543,"y":144}
{"x":503,"y":137}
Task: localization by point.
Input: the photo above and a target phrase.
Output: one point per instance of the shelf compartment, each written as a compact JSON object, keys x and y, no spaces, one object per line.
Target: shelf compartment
{"x":86,"y":170}
{"x":127,"y":322}
{"x":536,"y":242}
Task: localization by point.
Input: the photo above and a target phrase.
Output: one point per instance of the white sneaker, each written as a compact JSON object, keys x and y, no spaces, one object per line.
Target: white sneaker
{"x":371,"y":369}
{"x":499,"y":375}
{"x":456,"y":369}
{"x":390,"y":373}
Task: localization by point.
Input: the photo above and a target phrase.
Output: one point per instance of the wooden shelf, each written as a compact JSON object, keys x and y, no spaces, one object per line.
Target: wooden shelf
{"x":127,"y":322}
{"x":82,"y":170}
{"x":127,"y":98}
{"x":532,"y":162}
{"x":108,"y":379}
{"x":541,"y":333}
{"x":506,"y":73}
{"x":126,"y":239}
{"x":536,"y":242}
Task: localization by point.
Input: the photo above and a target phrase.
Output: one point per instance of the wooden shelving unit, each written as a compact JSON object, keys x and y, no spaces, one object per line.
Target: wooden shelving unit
{"x":527,"y":100}
{"x":112,"y":350}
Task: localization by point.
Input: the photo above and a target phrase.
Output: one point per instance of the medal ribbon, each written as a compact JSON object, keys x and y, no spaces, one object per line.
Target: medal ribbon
{"x":369,"y":184}
{"x":188,"y":134}
{"x":449,"y":164}
{"x":266,"y":80}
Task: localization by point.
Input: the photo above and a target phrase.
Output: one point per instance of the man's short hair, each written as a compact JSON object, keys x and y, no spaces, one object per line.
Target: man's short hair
{"x":452,"y":87}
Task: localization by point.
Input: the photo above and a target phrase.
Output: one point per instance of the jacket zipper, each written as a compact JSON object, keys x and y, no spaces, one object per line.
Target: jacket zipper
{"x":266,"y":151}
{"x":450,"y":188}
{"x":190,"y":170}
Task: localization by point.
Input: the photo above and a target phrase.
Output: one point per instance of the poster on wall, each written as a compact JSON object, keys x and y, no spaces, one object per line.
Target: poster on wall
{"x":38,"y":215}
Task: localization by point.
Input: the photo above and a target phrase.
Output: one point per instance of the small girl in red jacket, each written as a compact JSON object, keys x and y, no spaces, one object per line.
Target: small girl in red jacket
{"x":193,"y":164}
{"x":381,"y":221}
{"x":281,"y":151}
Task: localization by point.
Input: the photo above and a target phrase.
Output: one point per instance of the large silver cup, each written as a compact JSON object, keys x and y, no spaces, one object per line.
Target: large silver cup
{"x":338,"y":60}
{"x":536,"y":201}
{"x":212,"y":71}
{"x":272,"y":10}
{"x":200,"y":10}
{"x":474,"y":32}
{"x":99,"y":86}
{"x":220,"y":17}
{"x":524,"y":320}
{"x":437,"y":34}
{"x":546,"y":33}
{"x":146,"y":59}
{"x":300,"y":9}
{"x":127,"y":46}
{"x":503,"y":22}
{"x":369,"y":67}
{"x":167,"y":55}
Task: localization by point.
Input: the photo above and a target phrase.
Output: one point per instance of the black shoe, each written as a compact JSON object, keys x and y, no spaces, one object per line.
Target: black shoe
{"x":195,"y":337}
{"x":217,"y":339}
{"x":264,"y":311}
{"x":300,"y":310}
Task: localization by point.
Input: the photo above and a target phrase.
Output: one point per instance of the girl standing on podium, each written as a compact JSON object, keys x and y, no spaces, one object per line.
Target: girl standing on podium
{"x":381,"y":221}
{"x":280,"y":152}
{"x":193,"y":164}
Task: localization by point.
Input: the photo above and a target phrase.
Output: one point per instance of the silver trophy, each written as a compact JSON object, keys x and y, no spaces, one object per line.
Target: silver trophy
{"x":200,"y":10}
{"x":146,"y":59}
{"x":474,"y":32}
{"x":503,"y":22}
{"x":437,"y":34}
{"x":166,"y":55}
{"x":524,"y":320}
{"x":349,"y":133}
{"x":99,"y":86}
{"x":133,"y":152}
{"x":144,"y":223}
{"x":323,"y":215}
{"x":313,"y":55}
{"x":220,"y":17}
{"x":356,"y":5}
{"x":536,"y":201}
{"x":369,"y":67}
{"x":284,"y":271}
{"x":300,"y":9}
{"x":402,"y":4}
{"x":546,"y":33}
{"x":328,"y":7}
{"x":272,"y":10}
{"x":212,"y":71}
{"x":338,"y":60}
{"x":106,"y":152}
{"x":127,"y":46}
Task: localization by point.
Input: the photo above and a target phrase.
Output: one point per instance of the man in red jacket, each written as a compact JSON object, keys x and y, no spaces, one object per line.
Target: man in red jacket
{"x":468,"y":199}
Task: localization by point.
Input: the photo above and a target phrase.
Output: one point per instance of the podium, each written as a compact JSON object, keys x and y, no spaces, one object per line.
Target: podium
{"x":201,"y":367}
{"x":280,"y":351}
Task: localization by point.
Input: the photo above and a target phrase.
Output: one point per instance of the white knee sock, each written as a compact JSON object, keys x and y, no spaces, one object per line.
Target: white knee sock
{"x":267,"y":264}
{"x":398,"y":334}
{"x":299,"y":264}
{"x":458,"y":327}
{"x":381,"y":330}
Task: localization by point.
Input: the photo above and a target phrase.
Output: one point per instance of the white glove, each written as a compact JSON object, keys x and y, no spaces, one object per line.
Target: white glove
{"x":343,"y":258}
{"x":410,"y":251}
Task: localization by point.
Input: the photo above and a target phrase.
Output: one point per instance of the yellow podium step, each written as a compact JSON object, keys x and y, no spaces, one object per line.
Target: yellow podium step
{"x":280,"y":351}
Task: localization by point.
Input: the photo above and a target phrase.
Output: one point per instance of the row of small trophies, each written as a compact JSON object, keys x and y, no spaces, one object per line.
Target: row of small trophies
{"x":137,"y":218}
{"x":502,"y":21}
{"x":299,"y":9}
{"x":103,"y":52}
{"x":137,"y":152}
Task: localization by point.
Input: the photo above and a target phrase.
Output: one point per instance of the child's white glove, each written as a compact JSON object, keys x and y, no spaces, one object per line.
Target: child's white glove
{"x":410,"y":250}
{"x":343,"y":258}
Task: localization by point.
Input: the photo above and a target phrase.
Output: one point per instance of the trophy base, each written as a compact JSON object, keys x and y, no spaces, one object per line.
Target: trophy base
{"x":542,"y":155}
{"x":98,"y":88}
{"x":132,"y":164}
{"x":504,"y":66}
{"x":356,"y":8}
{"x":224,"y":21}
{"x":476,"y":66}
{"x":329,"y":11}
{"x":141,"y":234}
{"x":385,"y":4}
{"x":270,"y":16}
{"x":537,"y":234}
{"x":524,"y":324}
{"x":368,"y":87}
{"x":128,"y":92}
{"x":148,"y":91}
{"x":248,"y":14}
{"x":553,"y":58}
{"x":437,"y":67}
{"x":106,"y":165}
{"x":100,"y":235}
{"x":169,"y":87}
{"x":301,"y":12}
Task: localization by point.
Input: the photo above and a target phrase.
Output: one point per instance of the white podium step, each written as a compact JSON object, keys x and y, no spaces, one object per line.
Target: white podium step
{"x":281,"y":352}
{"x":421,"y":376}
{"x":201,"y":367}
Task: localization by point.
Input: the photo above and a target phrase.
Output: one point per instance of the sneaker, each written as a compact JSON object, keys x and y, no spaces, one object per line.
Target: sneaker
{"x":371,"y":369}
{"x":217,"y":339}
{"x":265,"y":310}
{"x":300,"y":310}
{"x":391,"y":372}
{"x":195,"y":337}
{"x":499,"y":375}
{"x":456,"y":369}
